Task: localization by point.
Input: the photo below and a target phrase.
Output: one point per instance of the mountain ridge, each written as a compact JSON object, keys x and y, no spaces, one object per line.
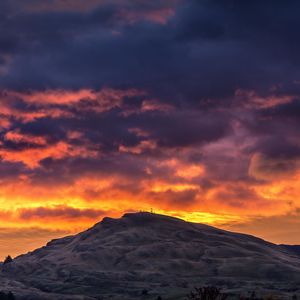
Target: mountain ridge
{"x":162,"y":254}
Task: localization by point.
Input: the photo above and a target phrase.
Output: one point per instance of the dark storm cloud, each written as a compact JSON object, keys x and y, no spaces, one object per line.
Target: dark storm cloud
{"x":43,"y":127}
{"x":70,"y":169}
{"x":10,"y":170}
{"x":278,"y":147}
{"x":276,"y":131}
{"x":207,"y":49}
{"x":115,"y":88}
{"x":289,"y":112}
{"x":181,"y":129}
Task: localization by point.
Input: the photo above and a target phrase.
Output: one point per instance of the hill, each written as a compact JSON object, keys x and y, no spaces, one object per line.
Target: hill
{"x":145,"y":253}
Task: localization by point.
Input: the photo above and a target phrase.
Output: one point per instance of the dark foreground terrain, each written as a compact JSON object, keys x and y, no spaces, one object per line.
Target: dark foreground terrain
{"x":147,"y":256}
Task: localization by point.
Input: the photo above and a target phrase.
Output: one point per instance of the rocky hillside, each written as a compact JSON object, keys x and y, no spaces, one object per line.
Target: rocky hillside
{"x":145,"y":253}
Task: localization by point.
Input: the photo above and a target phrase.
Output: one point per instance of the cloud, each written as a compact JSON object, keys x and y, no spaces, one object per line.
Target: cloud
{"x":281,"y":229}
{"x":59,"y":212}
{"x":185,"y":48}
{"x":15,"y":241}
{"x":268,"y":168}
{"x":104,"y":121}
{"x":156,"y":11}
{"x":188,"y":107}
{"x":177,"y":199}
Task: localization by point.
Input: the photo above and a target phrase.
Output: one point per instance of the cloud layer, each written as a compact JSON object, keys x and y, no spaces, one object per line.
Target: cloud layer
{"x":189,"y":108}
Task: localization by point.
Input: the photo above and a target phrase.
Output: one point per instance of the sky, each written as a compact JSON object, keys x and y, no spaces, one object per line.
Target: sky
{"x":187,"y":108}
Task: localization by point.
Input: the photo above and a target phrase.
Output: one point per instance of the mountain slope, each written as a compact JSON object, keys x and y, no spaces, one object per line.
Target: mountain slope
{"x":292,"y":248}
{"x":119,"y":258}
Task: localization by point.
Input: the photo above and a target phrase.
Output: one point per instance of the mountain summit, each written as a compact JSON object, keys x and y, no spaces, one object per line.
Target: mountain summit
{"x":155,"y":255}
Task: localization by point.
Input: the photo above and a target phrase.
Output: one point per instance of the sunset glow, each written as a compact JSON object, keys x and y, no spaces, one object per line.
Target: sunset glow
{"x":120,"y":107}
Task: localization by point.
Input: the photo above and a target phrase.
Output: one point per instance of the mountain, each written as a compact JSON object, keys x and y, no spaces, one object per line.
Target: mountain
{"x":146,"y":253}
{"x":292,"y":248}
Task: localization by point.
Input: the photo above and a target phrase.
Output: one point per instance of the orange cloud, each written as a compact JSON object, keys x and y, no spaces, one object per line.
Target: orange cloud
{"x":281,"y":229}
{"x":252,"y":100}
{"x":15,"y":241}
{"x":16,"y":136}
{"x":102,"y":100}
{"x":153,"y":104}
{"x":54,"y":96}
{"x":140,"y":148}
{"x":32,"y":156}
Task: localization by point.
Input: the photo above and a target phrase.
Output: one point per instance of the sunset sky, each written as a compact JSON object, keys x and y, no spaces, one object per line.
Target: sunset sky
{"x":189,"y":108}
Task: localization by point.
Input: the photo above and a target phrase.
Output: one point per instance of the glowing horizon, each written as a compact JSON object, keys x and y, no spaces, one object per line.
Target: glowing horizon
{"x":186,"y":108}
